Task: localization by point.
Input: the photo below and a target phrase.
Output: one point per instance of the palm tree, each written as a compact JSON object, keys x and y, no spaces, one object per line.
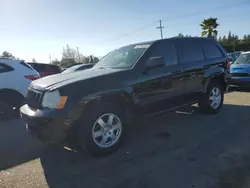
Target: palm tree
{"x":209,"y":26}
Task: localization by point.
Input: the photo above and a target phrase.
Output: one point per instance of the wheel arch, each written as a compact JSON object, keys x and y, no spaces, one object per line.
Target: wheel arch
{"x":120,"y":98}
{"x":214,"y":74}
{"x":11,"y":93}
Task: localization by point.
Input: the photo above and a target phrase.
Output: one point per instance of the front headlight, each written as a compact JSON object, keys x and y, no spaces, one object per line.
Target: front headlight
{"x":53,"y":100}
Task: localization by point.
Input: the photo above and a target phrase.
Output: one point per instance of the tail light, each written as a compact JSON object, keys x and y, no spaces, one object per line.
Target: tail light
{"x":228,"y":65}
{"x":32,"y":77}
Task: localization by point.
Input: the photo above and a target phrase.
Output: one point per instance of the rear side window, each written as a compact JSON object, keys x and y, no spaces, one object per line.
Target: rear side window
{"x":211,"y":50}
{"x":189,"y":51}
{"x":165,"y":49}
{"x":5,"y":68}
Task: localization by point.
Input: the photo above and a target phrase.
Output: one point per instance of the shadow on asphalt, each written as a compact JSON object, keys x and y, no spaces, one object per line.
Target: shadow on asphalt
{"x":151,"y":136}
{"x":16,"y":145}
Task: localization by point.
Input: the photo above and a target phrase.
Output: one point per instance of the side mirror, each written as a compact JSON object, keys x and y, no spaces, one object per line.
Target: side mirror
{"x":155,"y":62}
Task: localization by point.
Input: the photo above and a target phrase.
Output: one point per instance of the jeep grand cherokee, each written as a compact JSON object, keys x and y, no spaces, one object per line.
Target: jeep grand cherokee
{"x":94,"y":106}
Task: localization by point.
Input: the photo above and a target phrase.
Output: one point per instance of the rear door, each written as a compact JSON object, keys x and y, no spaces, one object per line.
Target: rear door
{"x":191,"y":57}
{"x":160,"y":88}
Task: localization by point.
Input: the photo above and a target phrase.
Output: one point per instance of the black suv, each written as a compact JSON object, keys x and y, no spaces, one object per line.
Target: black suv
{"x":94,"y":106}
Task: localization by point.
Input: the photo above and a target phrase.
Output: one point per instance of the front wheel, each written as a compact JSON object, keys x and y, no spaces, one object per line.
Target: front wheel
{"x":102,"y":131}
{"x":211,"y":102}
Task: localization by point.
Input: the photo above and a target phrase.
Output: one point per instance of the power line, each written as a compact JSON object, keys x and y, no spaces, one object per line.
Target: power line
{"x":78,"y":54}
{"x":129,"y":34}
{"x":220,"y":8}
{"x":160,"y":27}
{"x":50,"y":59}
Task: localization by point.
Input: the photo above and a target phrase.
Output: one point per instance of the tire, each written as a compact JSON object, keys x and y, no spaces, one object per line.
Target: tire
{"x":99,"y":131}
{"x":212,"y":101}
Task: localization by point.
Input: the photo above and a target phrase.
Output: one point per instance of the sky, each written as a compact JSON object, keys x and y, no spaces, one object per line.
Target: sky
{"x":41,"y":28}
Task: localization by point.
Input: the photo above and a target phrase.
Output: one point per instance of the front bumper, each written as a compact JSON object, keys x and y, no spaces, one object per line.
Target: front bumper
{"x":48,"y":126}
{"x":239,"y":81}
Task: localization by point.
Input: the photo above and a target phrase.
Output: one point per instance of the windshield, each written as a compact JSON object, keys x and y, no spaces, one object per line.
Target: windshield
{"x":243,"y":59}
{"x":122,"y":58}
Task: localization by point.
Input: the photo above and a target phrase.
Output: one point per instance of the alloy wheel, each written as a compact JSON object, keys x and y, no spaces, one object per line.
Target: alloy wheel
{"x":107,"y":130}
{"x":215,"y":98}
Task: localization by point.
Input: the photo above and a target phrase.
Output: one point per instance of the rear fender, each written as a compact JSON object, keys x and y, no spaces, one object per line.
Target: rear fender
{"x":214,"y":73}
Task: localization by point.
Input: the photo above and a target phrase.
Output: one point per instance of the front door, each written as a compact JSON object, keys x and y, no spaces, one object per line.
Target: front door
{"x":160,"y":88}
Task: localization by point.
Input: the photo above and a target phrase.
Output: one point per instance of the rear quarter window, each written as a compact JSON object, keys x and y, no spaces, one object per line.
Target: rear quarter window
{"x":5,"y":68}
{"x":211,"y":50}
{"x":189,"y":51}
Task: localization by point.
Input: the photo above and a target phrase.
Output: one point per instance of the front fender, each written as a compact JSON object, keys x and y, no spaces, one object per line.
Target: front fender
{"x":118,"y":97}
{"x":211,"y":74}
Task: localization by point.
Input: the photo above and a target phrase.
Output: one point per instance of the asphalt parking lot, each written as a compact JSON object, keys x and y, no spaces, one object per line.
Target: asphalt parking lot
{"x":177,"y":150}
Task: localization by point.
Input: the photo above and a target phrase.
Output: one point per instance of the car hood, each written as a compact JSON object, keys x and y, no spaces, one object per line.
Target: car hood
{"x":240,"y":68}
{"x":59,"y":80}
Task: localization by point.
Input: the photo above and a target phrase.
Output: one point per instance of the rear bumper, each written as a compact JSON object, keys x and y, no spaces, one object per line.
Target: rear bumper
{"x":48,"y":126}
{"x":239,"y":81}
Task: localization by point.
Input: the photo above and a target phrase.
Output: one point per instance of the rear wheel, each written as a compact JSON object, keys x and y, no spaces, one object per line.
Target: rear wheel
{"x":102,"y":131}
{"x":212,"y":101}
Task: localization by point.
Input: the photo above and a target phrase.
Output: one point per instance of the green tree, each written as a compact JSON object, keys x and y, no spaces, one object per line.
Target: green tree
{"x":246,"y":39}
{"x":95,"y":60}
{"x":209,"y":27}
{"x":56,"y":62}
{"x":180,"y":35}
{"x":69,"y":56}
{"x":34,"y":60}
{"x":7,"y":55}
{"x":220,"y":39}
{"x":69,"y":53}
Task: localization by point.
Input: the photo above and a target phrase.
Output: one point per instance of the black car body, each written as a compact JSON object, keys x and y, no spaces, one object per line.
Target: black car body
{"x":130,"y":82}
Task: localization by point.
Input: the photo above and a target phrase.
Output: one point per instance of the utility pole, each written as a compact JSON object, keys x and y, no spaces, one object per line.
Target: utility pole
{"x":49,"y":59}
{"x":78,"y":54}
{"x":161,"y":27}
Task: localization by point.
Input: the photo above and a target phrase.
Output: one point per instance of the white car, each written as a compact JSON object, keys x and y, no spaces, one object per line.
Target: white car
{"x":15,"y":78}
